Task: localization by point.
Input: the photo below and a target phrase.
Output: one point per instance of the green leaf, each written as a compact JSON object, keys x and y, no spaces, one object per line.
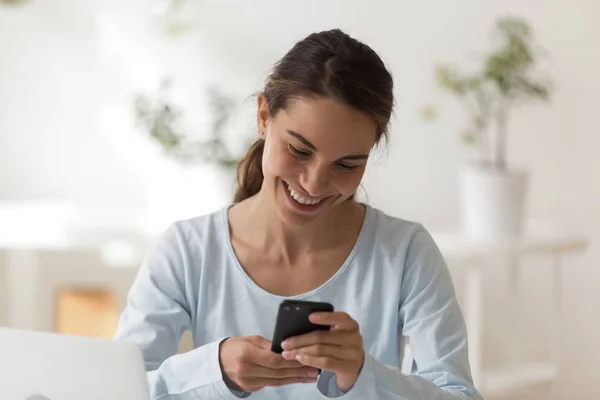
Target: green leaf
{"x":532,"y":89}
{"x":449,"y":79}
{"x":429,"y":112}
{"x":14,"y":2}
{"x":512,"y":26}
{"x":469,"y":137}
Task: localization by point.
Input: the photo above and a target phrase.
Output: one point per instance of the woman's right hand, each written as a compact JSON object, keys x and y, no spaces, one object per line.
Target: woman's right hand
{"x":248,"y":364}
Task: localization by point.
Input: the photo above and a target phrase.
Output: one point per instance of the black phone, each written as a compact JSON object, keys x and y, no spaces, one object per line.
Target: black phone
{"x":292,"y":320}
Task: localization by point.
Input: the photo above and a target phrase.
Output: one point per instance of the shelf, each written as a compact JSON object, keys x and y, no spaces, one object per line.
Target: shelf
{"x":455,"y":246}
{"x":509,"y":378}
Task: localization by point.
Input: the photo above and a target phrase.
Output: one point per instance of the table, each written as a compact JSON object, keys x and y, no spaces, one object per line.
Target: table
{"x":47,"y":246}
{"x":470,"y":257}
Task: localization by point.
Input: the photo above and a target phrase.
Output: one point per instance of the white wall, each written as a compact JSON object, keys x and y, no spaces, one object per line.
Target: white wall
{"x":64,"y":95}
{"x":52,"y":88}
{"x":3,"y":291}
{"x":54,"y":112}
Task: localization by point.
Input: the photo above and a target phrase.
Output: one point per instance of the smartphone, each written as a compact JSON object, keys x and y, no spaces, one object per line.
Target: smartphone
{"x":292,"y":320}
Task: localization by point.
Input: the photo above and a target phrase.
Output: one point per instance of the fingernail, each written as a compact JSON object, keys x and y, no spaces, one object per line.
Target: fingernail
{"x":285,"y":344}
{"x":300,"y":357}
{"x":286,"y":354}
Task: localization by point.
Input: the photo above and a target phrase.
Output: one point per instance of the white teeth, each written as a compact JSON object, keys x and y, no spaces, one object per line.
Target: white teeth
{"x":301,"y":199}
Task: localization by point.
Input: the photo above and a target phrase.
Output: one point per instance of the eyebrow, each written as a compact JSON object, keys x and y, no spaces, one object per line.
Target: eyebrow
{"x":307,"y":143}
{"x":302,"y":139}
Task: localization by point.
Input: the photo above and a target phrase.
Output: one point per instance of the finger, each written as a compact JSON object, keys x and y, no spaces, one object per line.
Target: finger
{"x":268,"y":359}
{"x":339,"y":338}
{"x":328,"y":363}
{"x":320,"y":350}
{"x":337,"y":320}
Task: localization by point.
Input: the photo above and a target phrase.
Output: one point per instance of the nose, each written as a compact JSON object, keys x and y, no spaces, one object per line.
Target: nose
{"x":316,"y":179}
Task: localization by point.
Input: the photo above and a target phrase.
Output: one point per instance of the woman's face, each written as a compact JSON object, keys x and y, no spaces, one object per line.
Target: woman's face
{"x":315,"y":156}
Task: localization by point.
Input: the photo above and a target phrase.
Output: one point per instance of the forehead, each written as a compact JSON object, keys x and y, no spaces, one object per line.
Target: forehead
{"x":329,"y":124}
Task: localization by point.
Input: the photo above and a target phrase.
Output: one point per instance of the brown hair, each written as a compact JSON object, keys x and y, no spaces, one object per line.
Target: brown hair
{"x":325,"y":64}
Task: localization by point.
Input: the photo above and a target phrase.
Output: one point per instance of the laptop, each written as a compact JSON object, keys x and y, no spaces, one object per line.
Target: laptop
{"x":49,"y":366}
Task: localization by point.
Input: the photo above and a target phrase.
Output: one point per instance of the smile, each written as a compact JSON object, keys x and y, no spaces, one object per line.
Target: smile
{"x":300,"y":199}
{"x":301,"y":202}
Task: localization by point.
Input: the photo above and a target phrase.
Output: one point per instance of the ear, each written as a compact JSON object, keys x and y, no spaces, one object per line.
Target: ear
{"x":262,"y":114}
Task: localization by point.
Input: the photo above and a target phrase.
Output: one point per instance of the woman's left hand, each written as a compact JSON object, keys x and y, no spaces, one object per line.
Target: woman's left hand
{"x":339,"y":350}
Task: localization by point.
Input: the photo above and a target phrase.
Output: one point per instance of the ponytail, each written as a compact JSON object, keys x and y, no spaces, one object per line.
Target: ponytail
{"x":249,"y":172}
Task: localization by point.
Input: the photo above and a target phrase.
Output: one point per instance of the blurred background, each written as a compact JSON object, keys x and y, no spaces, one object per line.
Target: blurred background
{"x":119,"y":117}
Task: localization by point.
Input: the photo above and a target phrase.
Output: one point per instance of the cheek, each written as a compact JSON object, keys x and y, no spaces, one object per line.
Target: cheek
{"x":277,"y":162}
{"x":348,"y":184}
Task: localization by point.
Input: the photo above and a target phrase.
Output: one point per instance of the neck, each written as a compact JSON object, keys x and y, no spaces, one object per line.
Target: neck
{"x":264,"y":229}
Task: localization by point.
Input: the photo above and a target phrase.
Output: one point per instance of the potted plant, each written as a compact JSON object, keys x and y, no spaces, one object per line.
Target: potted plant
{"x":160,"y":118}
{"x":194,"y":172}
{"x":492,"y":192}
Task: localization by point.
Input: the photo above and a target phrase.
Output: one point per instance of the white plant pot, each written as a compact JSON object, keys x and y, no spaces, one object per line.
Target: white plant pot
{"x":492,"y":202}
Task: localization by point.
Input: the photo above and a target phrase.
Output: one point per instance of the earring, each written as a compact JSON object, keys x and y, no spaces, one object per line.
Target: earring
{"x":262,"y":135}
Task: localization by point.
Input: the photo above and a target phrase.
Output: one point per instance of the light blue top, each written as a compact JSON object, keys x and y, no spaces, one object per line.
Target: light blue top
{"x":394,"y":283}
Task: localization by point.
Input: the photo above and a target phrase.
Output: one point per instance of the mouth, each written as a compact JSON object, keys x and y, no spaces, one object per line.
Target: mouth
{"x":300,"y":202}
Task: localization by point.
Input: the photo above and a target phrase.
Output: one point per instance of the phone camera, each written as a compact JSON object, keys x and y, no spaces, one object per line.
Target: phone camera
{"x":297,"y":308}
{"x":286,"y":308}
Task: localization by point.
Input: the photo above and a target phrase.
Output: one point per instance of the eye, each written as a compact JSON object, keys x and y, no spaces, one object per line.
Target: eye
{"x":297,"y":152}
{"x":347,"y":167}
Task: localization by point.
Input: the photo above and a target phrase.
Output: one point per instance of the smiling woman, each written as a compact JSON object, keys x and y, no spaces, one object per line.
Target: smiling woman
{"x":329,"y":76}
{"x":295,"y":232}
{"x":314,"y":156}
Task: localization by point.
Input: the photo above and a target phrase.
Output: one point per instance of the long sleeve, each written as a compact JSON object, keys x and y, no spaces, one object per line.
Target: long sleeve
{"x":436,"y":329}
{"x":156,"y":315}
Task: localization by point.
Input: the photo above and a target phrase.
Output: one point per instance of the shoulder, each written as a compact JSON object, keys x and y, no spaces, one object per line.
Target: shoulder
{"x":191,"y":236}
{"x":410,"y":250}
{"x":178,"y":254}
{"x":401,"y":241}
{"x":396,"y":232}
{"x":200,"y":227}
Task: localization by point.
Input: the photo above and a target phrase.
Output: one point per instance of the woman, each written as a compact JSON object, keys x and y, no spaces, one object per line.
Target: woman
{"x":295,"y":232}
